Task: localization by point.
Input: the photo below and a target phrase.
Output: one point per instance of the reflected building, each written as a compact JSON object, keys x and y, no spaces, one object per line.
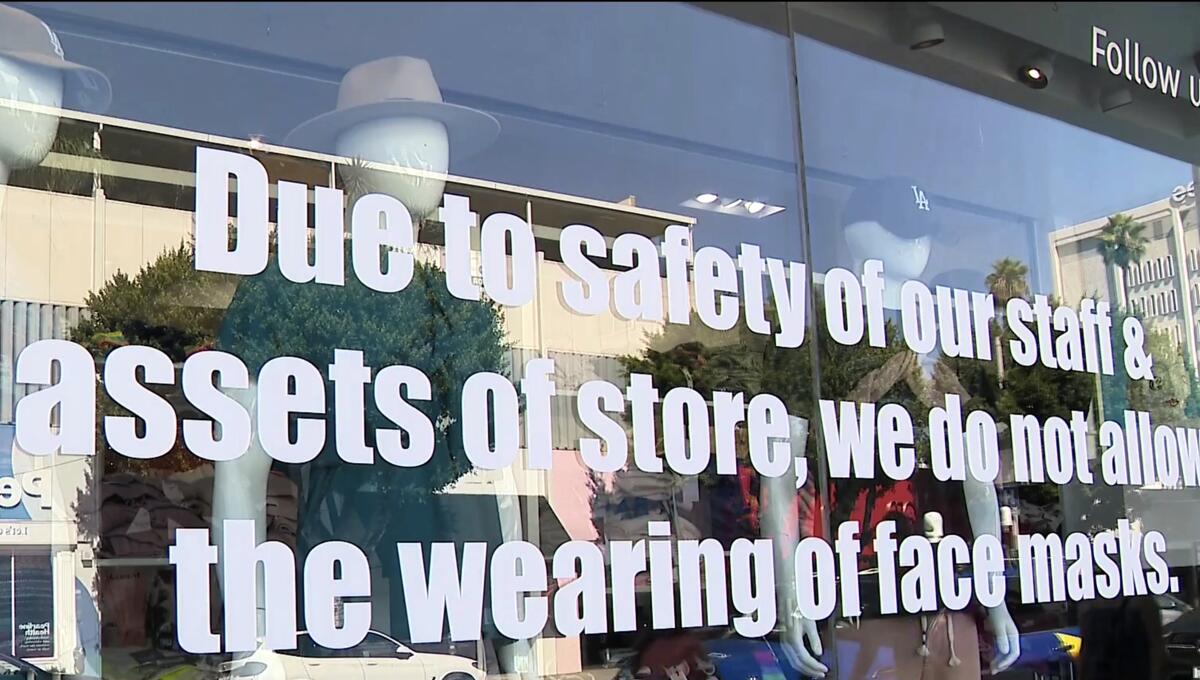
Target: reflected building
{"x":108,"y":217}
{"x":605,"y":119}
{"x":1162,"y":286}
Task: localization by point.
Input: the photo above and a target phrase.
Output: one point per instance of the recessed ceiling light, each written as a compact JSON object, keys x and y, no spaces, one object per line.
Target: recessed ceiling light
{"x":735,"y":207}
{"x":925,"y":34}
{"x":1115,"y":99}
{"x":1036,"y":73}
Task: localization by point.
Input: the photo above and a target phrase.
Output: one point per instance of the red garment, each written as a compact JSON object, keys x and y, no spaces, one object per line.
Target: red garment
{"x":906,"y":502}
{"x":896,"y":502}
{"x":674,"y":657}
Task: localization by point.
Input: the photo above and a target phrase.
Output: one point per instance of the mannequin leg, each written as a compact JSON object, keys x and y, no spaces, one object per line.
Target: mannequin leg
{"x":515,"y":656}
{"x":240,"y":492}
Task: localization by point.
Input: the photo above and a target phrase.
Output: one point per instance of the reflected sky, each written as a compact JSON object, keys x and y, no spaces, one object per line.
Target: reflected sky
{"x":658,"y":101}
{"x":1005,"y":177}
{"x":591,"y":102}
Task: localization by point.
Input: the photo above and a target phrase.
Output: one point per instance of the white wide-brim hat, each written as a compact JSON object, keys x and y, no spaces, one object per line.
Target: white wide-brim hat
{"x":394,"y":87}
{"x":27,"y":39}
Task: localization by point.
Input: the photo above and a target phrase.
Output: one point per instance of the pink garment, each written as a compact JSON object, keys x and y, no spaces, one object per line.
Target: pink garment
{"x":941,"y":646}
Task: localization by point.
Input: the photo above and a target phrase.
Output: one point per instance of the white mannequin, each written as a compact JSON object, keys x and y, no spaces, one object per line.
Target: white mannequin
{"x":240,"y":486}
{"x":240,"y":492}
{"x":26,"y":135}
{"x":903,"y":259}
{"x":404,"y":142}
{"x":801,"y":639}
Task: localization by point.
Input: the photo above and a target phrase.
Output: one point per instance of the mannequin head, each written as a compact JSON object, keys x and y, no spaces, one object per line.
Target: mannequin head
{"x":934,"y":526}
{"x":891,"y":220}
{"x":25,"y":135}
{"x":407,"y":142}
{"x":903,"y":257}
{"x":390,"y":112}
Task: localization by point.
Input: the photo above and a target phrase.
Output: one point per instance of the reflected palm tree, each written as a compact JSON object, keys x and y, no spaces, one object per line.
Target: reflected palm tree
{"x":1008,"y":280}
{"x":1122,"y":242}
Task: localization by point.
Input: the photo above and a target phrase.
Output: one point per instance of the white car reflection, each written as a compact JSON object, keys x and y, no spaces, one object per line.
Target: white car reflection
{"x":377,"y":657}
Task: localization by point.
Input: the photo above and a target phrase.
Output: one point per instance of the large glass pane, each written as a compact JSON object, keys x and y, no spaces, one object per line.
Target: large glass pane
{"x":605,"y":246}
{"x":1068,"y":242}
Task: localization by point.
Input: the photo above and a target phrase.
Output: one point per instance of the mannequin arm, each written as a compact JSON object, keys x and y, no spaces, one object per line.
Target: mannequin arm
{"x":983,"y":509}
{"x":801,"y":642}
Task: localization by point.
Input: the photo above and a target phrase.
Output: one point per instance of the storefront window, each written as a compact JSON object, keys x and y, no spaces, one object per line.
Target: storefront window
{"x":956,"y":190}
{"x":447,"y":341}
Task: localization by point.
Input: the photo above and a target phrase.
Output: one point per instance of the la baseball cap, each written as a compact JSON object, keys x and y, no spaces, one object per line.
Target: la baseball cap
{"x":899,"y":204}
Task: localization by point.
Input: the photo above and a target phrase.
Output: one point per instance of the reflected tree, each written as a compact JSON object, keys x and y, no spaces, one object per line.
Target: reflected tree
{"x":1019,"y":390}
{"x":1122,"y":242}
{"x":1166,"y":397}
{"x":169,"y":306}
{"x":173,"y":307}
{"x":739,"y":360}
{"x":1008,"y":280}
{"x":422,"y":326}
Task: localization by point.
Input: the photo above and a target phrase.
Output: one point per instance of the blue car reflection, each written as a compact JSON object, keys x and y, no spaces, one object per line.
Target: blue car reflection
{"x":1046,"y":652}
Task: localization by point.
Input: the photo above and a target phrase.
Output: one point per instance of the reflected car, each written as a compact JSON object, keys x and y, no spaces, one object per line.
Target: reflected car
{"x":377,"y":657}
{"x":1048,"y":652}
{"x":1181,"y":637}
{"x":12,"y":668}
{"x":1045,"y":653}
{"x":1182,"y":644}
{"x":1171,"y":608}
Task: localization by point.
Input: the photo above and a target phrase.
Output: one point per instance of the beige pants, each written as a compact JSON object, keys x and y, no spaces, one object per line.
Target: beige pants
{"x":891,"y":648}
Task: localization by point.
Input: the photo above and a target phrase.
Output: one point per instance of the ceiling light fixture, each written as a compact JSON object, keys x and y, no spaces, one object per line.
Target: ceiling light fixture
{"x":1037,"y":72}
{"x":1115,"y":99}
{"x":735,"y":207}
{"x":925,"y":34}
